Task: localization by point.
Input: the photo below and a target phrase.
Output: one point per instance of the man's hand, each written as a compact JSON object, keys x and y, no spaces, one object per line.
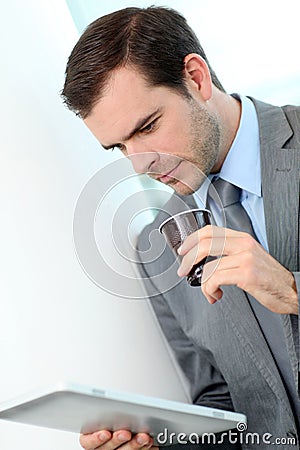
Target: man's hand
{"x":121,"y":439}
{"x":243,"y":262}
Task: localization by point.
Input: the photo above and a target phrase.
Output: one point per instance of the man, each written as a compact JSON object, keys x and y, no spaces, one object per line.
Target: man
{"x":141,"y":82}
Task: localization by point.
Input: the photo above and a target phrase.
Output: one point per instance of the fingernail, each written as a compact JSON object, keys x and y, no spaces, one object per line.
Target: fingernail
{"x":179,"y":250}
{"x":179,"y":272}
{"x":122,"y":437}
{"x":103,"y":436}
{"x":142,"y":440}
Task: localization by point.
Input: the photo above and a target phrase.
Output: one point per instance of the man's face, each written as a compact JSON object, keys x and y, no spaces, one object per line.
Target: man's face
{"x":171,"y":138}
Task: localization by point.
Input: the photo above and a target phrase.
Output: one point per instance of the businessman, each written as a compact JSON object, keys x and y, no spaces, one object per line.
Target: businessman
{"x":141,"y":82}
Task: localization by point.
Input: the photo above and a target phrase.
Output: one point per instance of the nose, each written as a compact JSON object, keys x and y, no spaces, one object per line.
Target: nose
{"x":141,"y":159}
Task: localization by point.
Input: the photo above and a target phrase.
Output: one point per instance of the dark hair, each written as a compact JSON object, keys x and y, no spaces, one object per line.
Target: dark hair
{"x":154,"y":40}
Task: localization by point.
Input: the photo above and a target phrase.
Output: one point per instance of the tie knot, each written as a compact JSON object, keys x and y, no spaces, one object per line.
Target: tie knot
{"x":227,"y":192}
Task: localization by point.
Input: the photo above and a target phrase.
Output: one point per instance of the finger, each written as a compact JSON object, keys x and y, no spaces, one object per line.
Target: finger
{"x":193,"y":239}
{"x":208,"y":232}
{"x":118,"y":438}
{"x":123,"y":438}
{"x":143,"y":440}
{"x":232,"y":276}
{"x":218,"y":247}
{"x":140,"y":440}
{"x":201,"y":251}
{"x":94,"y":440}
{"x":189,"y":260}
{"x":215,"y":297}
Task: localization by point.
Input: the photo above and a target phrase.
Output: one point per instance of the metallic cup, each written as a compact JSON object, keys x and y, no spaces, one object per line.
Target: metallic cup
{"x":178,"y":227}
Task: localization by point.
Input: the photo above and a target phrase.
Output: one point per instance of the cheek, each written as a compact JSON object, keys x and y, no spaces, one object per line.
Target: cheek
{"x":179,"y":133}
{"x":174,"y":141}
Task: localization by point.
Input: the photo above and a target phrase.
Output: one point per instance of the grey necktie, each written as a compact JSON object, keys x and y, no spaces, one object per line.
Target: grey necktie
{"x":227,"y":198}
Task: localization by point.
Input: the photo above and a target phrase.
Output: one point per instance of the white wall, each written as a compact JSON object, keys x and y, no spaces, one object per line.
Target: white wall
{"x":55,"y":323}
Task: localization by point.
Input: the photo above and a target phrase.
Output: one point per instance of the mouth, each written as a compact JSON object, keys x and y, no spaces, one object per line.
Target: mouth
{"x":169,"y":176}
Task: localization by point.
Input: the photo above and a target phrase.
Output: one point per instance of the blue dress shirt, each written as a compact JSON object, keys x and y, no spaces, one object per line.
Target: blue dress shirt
{"x":242,"y":168}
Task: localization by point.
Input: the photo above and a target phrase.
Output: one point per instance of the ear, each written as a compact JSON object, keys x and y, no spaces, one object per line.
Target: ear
{"x":197,"y":76}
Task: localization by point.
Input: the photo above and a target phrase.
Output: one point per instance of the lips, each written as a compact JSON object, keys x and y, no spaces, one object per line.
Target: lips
{"x":169,"y":175}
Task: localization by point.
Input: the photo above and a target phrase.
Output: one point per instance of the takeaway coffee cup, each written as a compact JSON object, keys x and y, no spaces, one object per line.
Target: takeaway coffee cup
{"x":176,"y":229}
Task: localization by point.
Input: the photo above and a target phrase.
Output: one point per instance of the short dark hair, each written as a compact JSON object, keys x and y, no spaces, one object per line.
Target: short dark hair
{"x":154,"y":40}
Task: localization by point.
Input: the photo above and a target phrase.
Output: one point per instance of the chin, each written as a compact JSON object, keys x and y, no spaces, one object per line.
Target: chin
{"x":183,"y":189}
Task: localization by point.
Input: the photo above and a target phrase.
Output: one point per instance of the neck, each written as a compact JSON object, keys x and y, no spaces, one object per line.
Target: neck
{"x":229,"y":111}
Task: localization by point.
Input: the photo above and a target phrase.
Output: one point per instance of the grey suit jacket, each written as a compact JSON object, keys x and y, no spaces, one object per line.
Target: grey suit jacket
{"x":220,"y":347}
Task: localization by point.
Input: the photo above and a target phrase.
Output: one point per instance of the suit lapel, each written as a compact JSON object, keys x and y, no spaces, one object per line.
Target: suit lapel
{"x":280,"y":185}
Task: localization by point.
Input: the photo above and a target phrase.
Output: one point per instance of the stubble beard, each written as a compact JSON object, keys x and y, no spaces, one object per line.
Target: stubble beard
{"x":204,"y":148}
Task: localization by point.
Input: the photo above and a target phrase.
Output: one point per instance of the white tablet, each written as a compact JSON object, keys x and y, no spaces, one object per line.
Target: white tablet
{"x":75,"y":408}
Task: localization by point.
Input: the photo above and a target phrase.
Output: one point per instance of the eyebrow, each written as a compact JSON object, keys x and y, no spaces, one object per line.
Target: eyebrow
{"x":142,"y":122}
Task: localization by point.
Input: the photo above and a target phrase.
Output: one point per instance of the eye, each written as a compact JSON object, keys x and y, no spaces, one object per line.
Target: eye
{"x":117,"y":146}
{"x":148,"y":128}
{"x":120,"y":147}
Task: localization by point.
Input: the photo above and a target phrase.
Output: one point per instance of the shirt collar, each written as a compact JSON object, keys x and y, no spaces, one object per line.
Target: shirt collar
{"x":242,"y":163}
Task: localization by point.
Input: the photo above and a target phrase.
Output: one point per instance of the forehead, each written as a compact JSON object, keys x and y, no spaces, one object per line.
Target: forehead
{"x":126,"y":99}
